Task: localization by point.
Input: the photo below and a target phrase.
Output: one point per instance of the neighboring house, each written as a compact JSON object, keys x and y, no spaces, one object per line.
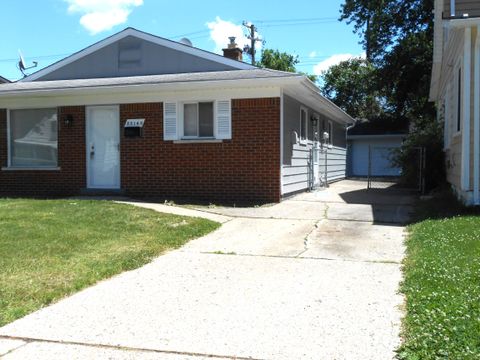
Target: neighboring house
{"x":3,"y":80}
{"x":145,"y":116}
{"x":455,"y":87}
{"x":370,"y":146}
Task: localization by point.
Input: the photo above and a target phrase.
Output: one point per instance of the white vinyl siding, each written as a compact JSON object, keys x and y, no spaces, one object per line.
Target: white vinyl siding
{"x":33,"y":138}
{"x":298,"y":175}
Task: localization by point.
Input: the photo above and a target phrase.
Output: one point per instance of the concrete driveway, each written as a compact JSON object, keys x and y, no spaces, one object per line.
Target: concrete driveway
{"x":315,"y":277}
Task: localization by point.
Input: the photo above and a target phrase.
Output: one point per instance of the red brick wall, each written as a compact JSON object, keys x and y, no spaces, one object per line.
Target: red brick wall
{"x":71,"y":160}
{"x":246,"y":168}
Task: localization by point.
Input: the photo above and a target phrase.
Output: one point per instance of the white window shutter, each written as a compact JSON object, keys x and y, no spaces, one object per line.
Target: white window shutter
{"x":170,"y":121}
{"x":224,"y":119}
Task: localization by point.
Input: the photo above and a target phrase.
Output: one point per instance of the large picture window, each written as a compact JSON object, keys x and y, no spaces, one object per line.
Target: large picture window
{"x":198,"y":120}
{"x":33,"y":138}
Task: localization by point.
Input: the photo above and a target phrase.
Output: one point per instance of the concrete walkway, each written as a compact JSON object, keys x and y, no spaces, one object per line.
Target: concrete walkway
{"x":315,"y":277}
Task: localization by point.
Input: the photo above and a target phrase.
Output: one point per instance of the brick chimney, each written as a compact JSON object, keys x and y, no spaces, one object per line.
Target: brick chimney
{"x":233,"y":51}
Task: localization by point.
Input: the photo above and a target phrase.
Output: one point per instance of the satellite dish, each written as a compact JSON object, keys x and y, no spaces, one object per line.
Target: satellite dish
{"x":22,"y":65}
{"x":21,"y":62}
{"x":185,"y":41}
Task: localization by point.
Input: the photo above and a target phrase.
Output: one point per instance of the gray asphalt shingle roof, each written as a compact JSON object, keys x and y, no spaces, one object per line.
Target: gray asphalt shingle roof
{"x":146,"y":80}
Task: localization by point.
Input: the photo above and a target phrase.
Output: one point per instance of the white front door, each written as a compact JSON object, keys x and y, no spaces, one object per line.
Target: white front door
{"x":103,"y":147}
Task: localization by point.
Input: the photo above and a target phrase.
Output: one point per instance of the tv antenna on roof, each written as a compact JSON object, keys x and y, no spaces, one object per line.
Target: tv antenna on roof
{"x":21,"y":64}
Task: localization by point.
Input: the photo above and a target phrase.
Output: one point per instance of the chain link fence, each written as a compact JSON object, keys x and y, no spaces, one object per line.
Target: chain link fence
{"x":414,"y":180}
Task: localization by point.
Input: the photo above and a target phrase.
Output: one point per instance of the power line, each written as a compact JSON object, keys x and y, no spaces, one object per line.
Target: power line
{"x":36,"y":57}
{"x":191,"y":33}
{"x":296,"y":20}
{"x":299,"y":24}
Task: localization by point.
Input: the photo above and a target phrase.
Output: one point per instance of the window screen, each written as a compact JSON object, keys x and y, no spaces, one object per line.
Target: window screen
{"x":198,"y":119}
{"x":205,"y":119}
{"x":190,"y":117}
{"x":33,"y":138}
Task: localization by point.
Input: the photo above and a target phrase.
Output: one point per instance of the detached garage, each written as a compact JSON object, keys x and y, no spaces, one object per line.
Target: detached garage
{"x":374,"y":142}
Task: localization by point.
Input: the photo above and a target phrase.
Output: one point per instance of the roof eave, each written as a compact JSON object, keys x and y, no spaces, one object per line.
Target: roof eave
{"x":136,"y":88}
{"x":339,"y":114}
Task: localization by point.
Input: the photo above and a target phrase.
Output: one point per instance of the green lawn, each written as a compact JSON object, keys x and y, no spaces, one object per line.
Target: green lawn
{"x":442,"y":286}
{"x":51,"y":248}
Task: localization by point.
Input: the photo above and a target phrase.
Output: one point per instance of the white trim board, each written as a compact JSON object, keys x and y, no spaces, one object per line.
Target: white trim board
{"x":144,"y":36}
{"x":106,"y":98}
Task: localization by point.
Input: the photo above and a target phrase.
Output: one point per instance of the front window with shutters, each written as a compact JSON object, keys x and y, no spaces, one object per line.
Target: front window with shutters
{"x":198,"y":120}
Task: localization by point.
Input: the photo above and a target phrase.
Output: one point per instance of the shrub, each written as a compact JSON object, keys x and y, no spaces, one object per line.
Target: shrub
{"x":407,"y":157}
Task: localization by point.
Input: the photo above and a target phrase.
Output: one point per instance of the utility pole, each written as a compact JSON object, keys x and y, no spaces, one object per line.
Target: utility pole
{"x":251,"y":49}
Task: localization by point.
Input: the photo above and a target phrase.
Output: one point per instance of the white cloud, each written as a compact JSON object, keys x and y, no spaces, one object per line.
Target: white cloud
{"x":221,"y":30}
{"x":312,"y":54}
{"x":102,"y":15}
{"x":333,"y":60}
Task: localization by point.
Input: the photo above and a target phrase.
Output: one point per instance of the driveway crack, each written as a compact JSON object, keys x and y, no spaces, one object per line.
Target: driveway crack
{"x":306,"y":240}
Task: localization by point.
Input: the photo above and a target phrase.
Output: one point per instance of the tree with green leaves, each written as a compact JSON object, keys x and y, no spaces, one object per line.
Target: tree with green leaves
{"x":397,"y":36}
{"x":282,"y":61}
{"x":351,"y":86}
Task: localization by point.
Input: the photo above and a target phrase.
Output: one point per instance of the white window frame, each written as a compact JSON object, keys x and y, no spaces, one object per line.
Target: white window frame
{"x":458,"y":99}
{"x":330,"y":132}
{"x":9,"y":142}
{"x":446,"y":117}
{"x":182,"y":120}
{"x":303,"y":109}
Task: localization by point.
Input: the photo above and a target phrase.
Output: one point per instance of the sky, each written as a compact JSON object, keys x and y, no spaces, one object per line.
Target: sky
{"x":48,"y":30}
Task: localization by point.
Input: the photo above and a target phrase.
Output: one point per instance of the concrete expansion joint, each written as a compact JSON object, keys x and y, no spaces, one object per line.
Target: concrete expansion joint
{"x":300,"y":257}
{"x":28,"y":340}
{"x":25,"y":343}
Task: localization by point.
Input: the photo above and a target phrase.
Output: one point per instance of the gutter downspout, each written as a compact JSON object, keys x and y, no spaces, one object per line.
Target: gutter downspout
{"x":349,"y":156}
{"x":476,"y":122}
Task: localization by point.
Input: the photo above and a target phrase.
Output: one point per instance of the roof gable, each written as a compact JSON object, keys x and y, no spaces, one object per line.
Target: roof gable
{"x":103,"y":59}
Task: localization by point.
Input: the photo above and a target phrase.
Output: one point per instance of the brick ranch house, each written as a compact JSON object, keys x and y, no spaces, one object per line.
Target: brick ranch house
{"x":144,"y":116}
